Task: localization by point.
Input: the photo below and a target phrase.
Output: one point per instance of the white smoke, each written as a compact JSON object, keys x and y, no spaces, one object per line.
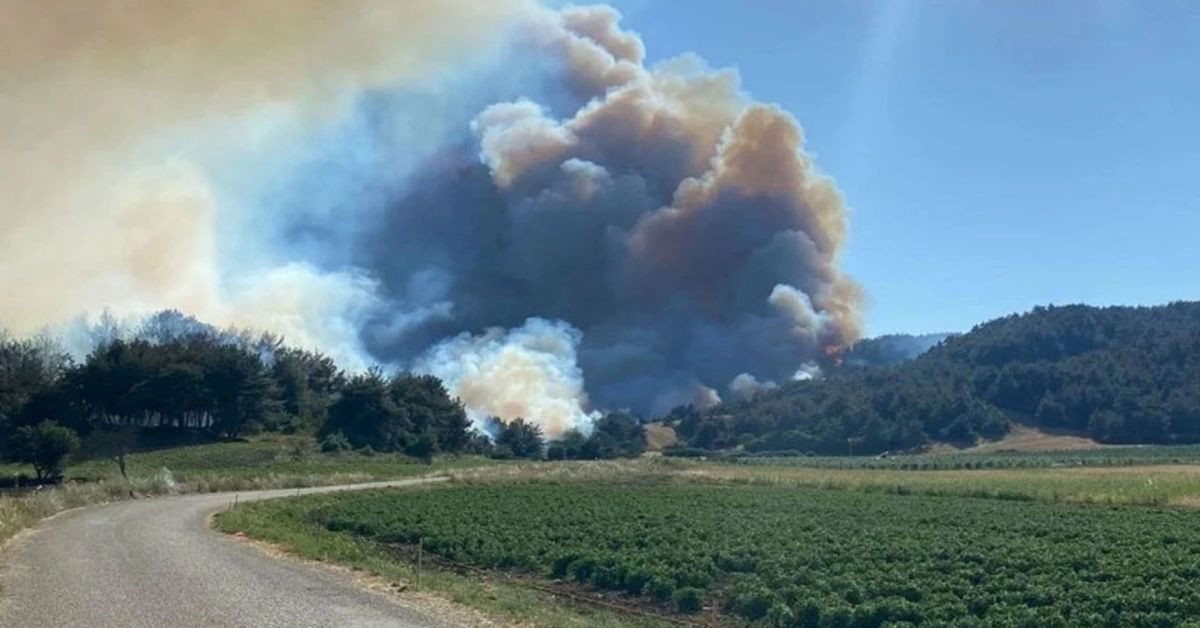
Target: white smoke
{"x":118,"y":111}
{"x":807,"y":371}
{"x":653,"y":227}
{"x":529,"y":372}
{"x":746,"y":386}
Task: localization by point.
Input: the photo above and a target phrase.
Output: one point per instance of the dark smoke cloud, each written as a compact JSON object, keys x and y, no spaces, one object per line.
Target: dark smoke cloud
{"x":674,"y":228}
{"x":502,"y":194}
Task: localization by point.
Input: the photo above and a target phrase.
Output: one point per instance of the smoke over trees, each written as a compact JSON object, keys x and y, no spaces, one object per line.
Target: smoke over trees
{"x":176,"y":380}
{"x":637,"y":238}
{"x":546,"y":223}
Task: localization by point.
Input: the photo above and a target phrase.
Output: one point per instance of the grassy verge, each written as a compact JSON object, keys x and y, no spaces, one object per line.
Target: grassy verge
{"x":239,"y":466}
{"x":284,"y":456}
{"x":285,"y":523}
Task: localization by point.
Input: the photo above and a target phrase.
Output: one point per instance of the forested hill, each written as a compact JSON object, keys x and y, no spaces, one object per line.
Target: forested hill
{"x":891,"y":349}
{"x":1121,"y":374}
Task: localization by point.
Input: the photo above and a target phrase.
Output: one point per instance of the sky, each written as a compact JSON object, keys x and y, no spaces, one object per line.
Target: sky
{"x":995,"y":155}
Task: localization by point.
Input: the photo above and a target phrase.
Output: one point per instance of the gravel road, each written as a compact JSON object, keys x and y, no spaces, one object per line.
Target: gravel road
{"x":154,"y":562}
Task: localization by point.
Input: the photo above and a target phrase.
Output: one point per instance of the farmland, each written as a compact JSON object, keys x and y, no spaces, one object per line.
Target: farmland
{"x":792,"y":555}
{"x":1147,"y":485}
{"x":1099,"y":457}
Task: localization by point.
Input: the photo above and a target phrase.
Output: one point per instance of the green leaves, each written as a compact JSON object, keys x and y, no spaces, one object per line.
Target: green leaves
{"x":788,"y":556}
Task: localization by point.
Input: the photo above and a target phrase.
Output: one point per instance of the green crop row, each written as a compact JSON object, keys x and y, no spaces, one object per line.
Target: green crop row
{"x":789,"y":556}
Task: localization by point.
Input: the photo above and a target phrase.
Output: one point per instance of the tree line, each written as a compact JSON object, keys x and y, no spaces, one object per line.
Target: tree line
{"x":176,"y":380}
{"x":1118,"y":374}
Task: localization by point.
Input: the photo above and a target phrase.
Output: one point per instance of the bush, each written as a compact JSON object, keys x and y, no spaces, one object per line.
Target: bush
{"x":688,"y":599}
{"x":661,"y":588}
{"x":46,"y":446}
{"x":424,"y":446}
{"x":335,"y":443}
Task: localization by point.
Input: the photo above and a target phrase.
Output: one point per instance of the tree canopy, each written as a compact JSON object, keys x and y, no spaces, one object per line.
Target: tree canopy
{"x":178,"y":380}
{"x":1120,"y":374}
{"x":46,"y":446}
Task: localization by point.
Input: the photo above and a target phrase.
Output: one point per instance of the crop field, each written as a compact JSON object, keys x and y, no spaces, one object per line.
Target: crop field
{"x":796,"y":556}
{"x":1101,"y":457}
{"x":1150,"y":485}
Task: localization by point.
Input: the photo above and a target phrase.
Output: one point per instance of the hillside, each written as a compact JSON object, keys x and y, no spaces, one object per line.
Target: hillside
{"x":891,"y":349}
{"x":1116,"y":375}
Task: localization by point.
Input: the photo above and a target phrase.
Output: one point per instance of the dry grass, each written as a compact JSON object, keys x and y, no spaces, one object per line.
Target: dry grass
{"x":1140,"y":485}
{"x":25,"y":511}
{"x":1153,"y":485}
{"x":573,"y":471}
{"x":18,"y":512}
{"x":1146,"y":485}
{"x":1024,"y":438}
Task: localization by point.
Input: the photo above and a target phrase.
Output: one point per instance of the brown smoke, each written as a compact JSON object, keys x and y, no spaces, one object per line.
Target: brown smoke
{"x":679,"y":227}
{"x":649,"y":231}
{"x":89,"y":218}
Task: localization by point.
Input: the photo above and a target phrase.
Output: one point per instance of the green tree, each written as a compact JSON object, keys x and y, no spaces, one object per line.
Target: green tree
{"x":46,"y":446}
{"x":112,"y":443}
{"x":424,"y":445}
{"x":429,"y":406}
{"x":28,"y":369}
{"x":368,"y":417}
{"x":522,"y":438}
{"x":628,"y":438}
{"x":308,"y":383}
{"x":243,"y":394}
{"x":569,"y":447}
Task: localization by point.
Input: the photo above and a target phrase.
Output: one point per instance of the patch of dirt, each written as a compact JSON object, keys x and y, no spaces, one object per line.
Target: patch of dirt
{"x":1025,"y":438}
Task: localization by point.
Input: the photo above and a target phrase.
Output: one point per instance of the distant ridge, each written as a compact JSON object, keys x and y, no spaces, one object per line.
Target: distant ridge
{"x":1111,"y":374}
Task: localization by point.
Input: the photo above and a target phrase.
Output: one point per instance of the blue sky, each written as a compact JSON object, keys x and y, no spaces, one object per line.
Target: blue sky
{"x":995,"y":155}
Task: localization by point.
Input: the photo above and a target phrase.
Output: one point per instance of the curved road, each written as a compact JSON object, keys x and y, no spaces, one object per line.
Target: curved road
{"x":154,"y":562}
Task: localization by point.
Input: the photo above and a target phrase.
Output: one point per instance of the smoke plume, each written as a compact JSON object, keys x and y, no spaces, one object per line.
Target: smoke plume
{"x":530,"y":371}
{"x":118,"y":113}
{"x":504,"y":195}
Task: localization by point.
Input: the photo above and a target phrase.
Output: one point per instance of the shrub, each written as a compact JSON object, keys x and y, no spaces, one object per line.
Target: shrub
{"x":45,"y":446}
{"x":335,"y":443}
{"x":688,"y":599}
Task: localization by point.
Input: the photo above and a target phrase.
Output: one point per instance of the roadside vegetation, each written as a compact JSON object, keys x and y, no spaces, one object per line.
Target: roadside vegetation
{"x":176,"y":381}
{"x":236,"y":466}
{"x":179,"y":406}
{"x":230,"y":464}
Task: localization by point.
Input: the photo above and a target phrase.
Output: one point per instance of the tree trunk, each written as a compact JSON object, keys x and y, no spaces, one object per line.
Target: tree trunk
{"x":120,"y":460}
